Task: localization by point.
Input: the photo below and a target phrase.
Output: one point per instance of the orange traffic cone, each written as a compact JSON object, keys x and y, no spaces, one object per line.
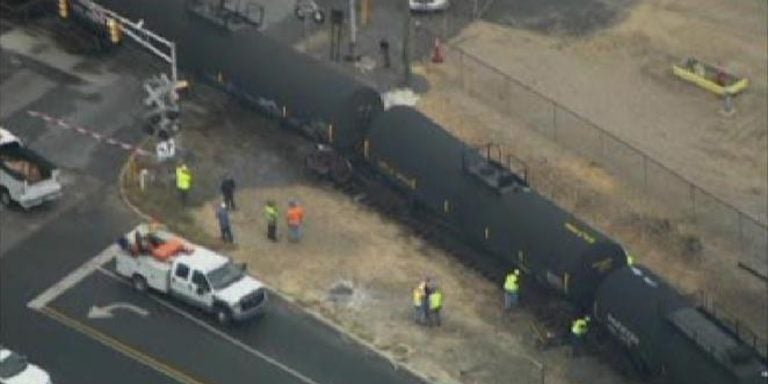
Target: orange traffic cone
{"x":437,"y":52}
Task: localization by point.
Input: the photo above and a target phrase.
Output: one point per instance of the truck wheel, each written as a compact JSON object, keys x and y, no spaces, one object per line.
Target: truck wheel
{"x":223,"y":315}
{"x":299,"y":12}
{"x":5,"y":197}
{"x":318,"y":16}
{"x":139,"y":283}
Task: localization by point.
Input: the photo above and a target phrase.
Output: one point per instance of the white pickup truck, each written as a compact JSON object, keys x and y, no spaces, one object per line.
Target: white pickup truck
{"x":196,"y":275}
{"x":25,"y":177}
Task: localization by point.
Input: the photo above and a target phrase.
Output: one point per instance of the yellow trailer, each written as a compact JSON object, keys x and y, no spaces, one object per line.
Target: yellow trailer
{"x":713,"y":79}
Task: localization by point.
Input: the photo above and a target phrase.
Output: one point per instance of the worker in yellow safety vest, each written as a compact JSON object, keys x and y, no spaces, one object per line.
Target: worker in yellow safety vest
{"x":435,"y":305}
{"x":419,"y":315}
{"x":511,"y":289}
{"x":579,"y":329}
{"x":183,"y":182}
{"x":270,"y":212}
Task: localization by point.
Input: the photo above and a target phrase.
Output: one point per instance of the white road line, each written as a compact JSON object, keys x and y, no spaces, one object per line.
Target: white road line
{"x":73,"y":278}
{"x":218,"y":332}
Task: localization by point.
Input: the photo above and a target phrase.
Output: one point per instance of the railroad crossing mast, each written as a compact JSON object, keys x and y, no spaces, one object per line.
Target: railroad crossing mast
{"x":162,"y":97}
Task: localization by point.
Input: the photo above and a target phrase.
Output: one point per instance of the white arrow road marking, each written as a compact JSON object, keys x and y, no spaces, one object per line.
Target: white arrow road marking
{"x":105,"y":312}
{"x":245,"y":347}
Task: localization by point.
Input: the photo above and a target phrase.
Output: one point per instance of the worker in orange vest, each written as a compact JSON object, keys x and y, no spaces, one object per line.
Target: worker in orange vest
{"x":294,"y":218}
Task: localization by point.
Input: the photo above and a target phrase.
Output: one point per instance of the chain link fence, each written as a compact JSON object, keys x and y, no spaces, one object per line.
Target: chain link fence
{"x":684,"y":200}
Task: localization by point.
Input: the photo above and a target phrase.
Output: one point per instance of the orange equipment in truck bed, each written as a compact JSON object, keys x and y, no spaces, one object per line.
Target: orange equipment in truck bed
{"x":168,"y":249}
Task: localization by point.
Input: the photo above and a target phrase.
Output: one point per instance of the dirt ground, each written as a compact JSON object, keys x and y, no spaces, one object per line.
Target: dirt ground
{"x":625,"y":70}
{"x":646,"y":106}
{"x":348,"y":245}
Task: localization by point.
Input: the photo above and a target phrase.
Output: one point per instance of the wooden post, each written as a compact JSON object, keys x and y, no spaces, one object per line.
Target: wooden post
{"x":365,"y":10}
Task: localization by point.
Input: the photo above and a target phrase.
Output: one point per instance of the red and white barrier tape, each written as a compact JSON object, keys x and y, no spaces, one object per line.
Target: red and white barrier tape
{"x":95,"y":135}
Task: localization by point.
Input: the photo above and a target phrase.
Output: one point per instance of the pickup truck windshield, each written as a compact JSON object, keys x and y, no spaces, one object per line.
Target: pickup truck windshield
{"x":225,"y":275}
{"x":12,"y":365}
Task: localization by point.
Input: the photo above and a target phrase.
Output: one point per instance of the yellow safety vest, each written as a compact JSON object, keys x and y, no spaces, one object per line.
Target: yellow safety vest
{"x":579,"y":327}
{"x":510,"y":284}
{"x":183,"y":178}
{"x":435,"y":300}
{"x":418,"y":296}
{"x":271,"y":213}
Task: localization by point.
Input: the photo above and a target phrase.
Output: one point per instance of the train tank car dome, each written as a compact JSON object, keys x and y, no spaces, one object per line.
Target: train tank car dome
{"x":328,"y":105}
{"x":664,"y":334}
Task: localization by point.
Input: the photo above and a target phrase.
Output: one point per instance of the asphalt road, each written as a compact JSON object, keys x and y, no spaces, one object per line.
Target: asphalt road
{"x":172,"y":342}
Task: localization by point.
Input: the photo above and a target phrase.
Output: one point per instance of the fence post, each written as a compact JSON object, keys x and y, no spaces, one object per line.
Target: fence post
{"x":645,"y":171}
{"x":554,"y":121}
{"x":741,"y":231}
{"x":602,"y":144}
{"x":461,"y":67}
{"x":693,"y":200}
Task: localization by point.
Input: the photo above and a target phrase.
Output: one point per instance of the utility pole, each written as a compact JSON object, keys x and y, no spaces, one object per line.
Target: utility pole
{"x":407,"y":45}
{"x":352,"y":29}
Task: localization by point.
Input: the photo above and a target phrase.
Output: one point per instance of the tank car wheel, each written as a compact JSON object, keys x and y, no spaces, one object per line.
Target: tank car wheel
{"x":341,"y":171}
{"x":317,"y":163}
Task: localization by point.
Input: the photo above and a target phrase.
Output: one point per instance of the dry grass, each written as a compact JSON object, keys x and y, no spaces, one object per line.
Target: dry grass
{"x":348,"y":243}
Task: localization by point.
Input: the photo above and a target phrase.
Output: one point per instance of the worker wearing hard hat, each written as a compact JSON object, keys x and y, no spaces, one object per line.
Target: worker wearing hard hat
{"x":512,"y":289}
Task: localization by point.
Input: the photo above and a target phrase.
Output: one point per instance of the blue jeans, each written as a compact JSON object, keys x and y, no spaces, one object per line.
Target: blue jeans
{"x":295,"y":232}
{"x":226,"y":234}
{"x":434,"y":317}
{"x":510,"y":300}
{"x":419,"y":316}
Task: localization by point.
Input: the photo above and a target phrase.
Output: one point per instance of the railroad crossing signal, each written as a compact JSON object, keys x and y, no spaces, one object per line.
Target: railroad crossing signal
{"x":162,"y":102}
{"x":64,"y":9}
{"x":115,"y":31}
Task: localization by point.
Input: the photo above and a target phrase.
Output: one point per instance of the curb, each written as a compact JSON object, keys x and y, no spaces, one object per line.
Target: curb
{"x":290,"y":299}
{"x":121,"y":189}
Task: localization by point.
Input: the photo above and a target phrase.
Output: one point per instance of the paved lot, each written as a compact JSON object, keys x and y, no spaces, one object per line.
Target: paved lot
{"x":39,"y":248}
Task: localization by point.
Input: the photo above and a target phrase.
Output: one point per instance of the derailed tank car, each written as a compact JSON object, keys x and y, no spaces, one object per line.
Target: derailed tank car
{"x":664,"y":334}
{"x":491,"y":206}
{"x":324,"y":104}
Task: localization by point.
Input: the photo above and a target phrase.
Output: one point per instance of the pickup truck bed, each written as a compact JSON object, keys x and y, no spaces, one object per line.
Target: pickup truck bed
{"x":26,"y":177}
{"x":23,"y":164}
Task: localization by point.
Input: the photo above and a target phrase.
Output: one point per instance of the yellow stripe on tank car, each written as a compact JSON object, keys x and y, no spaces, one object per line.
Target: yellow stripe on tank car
{"x":579,"y":232}
{"x":487,"y":233}
{"x":366,"y":149}
{"x":603,"y":265}
{"x":566,"y":281}
{"x":330,"y":133}
{"x":446,"y":206}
